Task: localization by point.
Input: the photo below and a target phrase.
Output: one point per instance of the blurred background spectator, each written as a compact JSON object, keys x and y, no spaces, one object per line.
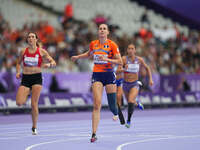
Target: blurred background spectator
{"x":54,"y":86}
{"x":166,"y":48}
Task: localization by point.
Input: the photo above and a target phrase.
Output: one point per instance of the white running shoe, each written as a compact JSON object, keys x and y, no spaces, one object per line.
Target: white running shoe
{"x":115,"y":117}
{"x":34,"y":131}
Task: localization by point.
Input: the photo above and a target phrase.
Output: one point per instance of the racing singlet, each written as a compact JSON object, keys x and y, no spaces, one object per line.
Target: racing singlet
{"x":32,"y":60}
{"x":108,"y":49}
{"x":133,"y":67}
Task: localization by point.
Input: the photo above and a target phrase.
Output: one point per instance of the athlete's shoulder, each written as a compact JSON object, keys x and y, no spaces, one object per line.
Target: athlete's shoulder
{"x":111,"y":42}
{"x":94,"y":42}
{"x":22,"y":51}
{"x":114,"y":46}
{"x":140,"y":58}
{"x":42,"y":51}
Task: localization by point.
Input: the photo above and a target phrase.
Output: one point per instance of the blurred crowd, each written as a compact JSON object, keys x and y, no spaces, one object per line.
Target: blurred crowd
{"x":166,"y":50}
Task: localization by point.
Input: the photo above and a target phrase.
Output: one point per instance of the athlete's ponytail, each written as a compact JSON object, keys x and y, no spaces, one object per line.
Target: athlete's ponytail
{"x":39,"y":44}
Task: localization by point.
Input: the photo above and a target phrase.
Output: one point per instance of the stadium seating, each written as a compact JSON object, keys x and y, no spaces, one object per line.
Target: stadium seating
{"x":25,"y":13}
{"x":124,"y":13}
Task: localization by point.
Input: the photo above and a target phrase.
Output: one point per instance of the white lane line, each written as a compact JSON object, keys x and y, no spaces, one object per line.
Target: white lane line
{"x":66,"y":140}
{"x":50,"y":142}
{"x":155,"y":139}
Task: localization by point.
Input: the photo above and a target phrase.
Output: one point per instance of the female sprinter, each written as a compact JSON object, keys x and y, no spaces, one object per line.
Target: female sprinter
{"x":132,"y":64}
{"x":105,"y":53}
{"x":32,"y":58}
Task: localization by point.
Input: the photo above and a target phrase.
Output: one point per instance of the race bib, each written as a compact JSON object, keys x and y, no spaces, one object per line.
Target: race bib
{"x":134,"y":68}
{"x":98,"y":61}
{"x":31,"y":61}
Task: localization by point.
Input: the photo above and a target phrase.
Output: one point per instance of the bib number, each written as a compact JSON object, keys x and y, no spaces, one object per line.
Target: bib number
{"x":98,"y":61}
{"x":31,"y":61}
{"x":134,"y":68}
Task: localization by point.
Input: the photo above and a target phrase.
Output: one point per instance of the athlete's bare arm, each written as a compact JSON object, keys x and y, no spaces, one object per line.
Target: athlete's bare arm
{"x":116,"y":60}
{"x":18,"y":63}
{"x":124,"y":62}
{"x":119,"y":69}
{"x":84,"y":55}
{"x":46,"y":56}
{"x":148,"y":70}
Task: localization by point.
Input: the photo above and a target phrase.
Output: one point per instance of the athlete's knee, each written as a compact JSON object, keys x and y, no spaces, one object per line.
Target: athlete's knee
{"x":132,"y":101}
{"x":19,"y":103}
{"x":97,"y":106}
{"x":119,"y":100}
{"x":34,"y":104}
{"x":118,"y":94}
{"x":35,"y":108}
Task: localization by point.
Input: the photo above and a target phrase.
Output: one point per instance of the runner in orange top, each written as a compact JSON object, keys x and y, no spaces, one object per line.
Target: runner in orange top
{"x":105,"y":53}
{"x":108,"y":50}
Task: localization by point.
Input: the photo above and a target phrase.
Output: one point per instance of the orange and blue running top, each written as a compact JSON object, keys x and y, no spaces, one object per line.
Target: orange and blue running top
{"x":109,"y":49}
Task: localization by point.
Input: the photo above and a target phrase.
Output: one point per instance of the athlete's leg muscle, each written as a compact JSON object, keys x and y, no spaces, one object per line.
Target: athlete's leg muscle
{"x":97,"y":90}
{"x":22,"y":95}
{"x":36,"y":89}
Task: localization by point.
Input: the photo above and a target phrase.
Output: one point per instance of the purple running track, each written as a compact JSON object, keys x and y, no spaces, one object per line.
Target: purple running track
{"x":174,"y":129}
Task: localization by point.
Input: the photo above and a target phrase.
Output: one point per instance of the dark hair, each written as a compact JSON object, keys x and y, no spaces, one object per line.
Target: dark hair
{"x":38,"y":43}
{"x":131,"y":44}
{"x":108,"y":27}
{"x":32,"y":33}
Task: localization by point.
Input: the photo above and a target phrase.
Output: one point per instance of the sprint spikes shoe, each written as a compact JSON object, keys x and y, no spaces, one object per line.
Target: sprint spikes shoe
{"x":34,"y":131}
{"x":94,"y":138}
{"x":128,"y":124}
{"x":140,"y":106}
{"x":115,"y":117}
